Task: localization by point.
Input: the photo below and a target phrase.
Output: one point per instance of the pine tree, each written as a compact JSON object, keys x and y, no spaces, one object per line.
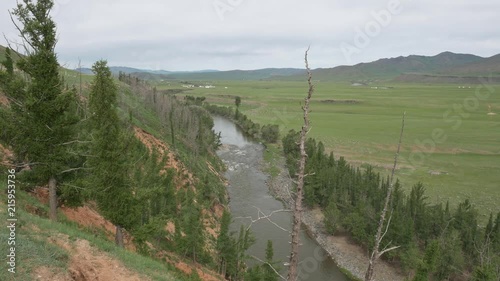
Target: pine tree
{"x":110,"y":176}
{"x":13,"y":118}
{"x":496,"y":234}
{"x":488,"y":233}
{"x":46,"y":126}
{"x":237,"y":101}
{"x":429,"y":263}
{"x":224,"y":244}
{"x":268,"y":273}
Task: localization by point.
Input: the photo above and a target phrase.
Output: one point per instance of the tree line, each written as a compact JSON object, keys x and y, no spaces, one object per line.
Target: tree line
{"x":269,"y":133}
{"x":436,"y":242}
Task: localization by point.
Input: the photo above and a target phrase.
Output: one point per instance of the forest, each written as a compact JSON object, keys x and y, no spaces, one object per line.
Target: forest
{"x":436,"y":242}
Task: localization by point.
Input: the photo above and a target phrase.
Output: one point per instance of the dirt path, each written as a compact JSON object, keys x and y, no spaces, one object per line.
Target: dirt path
{"x":347,"y":255}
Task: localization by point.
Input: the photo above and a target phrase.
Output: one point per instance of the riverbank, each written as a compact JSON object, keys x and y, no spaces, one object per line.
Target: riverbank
{"x":348,"y":256}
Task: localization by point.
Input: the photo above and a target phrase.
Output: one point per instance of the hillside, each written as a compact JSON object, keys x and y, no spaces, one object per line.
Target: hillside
{"x":483,"y":67}
{"x":78,"y":248}
{"x":2,"y":53}
{"x":390,"y":68}
{"x":177,"y":184}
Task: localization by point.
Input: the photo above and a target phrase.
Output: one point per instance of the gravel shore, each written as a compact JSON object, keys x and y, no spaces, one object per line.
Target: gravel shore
{"x":348,"y":256}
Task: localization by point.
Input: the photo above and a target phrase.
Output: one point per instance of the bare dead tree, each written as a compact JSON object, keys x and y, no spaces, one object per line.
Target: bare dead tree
{"x":299,"y":194}
{"x":377,"y":253}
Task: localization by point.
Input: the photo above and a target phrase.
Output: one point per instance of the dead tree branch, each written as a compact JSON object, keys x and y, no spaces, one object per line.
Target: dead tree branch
{"x":376,"y":254}
{"x":297,"y":210}
{"x":265,"y":217}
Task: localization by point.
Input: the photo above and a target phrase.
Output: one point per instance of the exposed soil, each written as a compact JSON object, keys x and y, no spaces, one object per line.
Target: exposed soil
{"x":86,"y":264}
{"x":347,"y":255}
{"x":88,"y":217}
{"x":183,"y":175}
{"x":341,"y":101}
{"x":44,"y":273}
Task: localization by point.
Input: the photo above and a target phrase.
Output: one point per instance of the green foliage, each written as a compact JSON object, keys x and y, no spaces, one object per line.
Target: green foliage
{"x":268,"y":269}
{"x":270,"y":133}
{"x":111,"y":187}
{"x":466,"y":222}
{"x":44,"y":114}
{"x":192,"y":244}
{"x":248,"y":127}
{"x":428,"y":265}
{"x":332,"y":218}
{"x":484,"y":273}
{"x":8,"y":63}
{"x":265,"y":271}
{"x":410,"y":257}
{"x":226,"y":248}
{"x":452,"y":258}
{"x":352,"y":199}
{"x":495,"y":235}
{"x":194,"y":100}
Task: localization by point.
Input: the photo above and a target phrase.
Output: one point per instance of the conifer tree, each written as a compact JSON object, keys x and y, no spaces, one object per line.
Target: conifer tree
{"x":112,"y":190}
{"x":49,"y":113}
{"x":269,"y":267}
{"x":224,"y":244}
{"x":13,"y":117}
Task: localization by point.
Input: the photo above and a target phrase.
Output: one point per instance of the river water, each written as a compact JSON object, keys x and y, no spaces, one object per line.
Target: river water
{"x":249,"y":196}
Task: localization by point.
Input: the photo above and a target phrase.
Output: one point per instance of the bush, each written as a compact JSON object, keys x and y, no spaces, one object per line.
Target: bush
{"x":270,"y":133}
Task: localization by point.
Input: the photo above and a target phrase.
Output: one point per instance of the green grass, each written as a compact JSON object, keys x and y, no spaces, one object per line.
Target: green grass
{"x":363,"y":125}
{"x":272,"y":153}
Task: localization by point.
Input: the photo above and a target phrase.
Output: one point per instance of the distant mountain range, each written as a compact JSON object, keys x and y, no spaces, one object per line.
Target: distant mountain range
{"x":446,"y":67}
{"x":446,"y":64}
{"x":129,"y":70}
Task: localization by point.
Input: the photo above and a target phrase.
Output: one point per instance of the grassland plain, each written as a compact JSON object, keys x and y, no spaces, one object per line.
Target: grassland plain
{"x":451,"y":140}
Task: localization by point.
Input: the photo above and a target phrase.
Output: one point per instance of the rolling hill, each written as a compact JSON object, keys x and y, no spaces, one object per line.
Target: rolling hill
{"x":259,"y":74}
{"x":2,"y":53}
{"x":446,"y":67}
{"x":130,"y":70}
{"x":482,"y":67}
{"x":391,"y":68}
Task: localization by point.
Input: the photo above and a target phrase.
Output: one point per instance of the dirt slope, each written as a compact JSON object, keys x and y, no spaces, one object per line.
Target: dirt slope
{"x":86,"y":264}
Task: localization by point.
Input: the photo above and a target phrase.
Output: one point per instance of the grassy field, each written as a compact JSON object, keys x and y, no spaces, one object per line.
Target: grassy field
{"x":451,"y":142}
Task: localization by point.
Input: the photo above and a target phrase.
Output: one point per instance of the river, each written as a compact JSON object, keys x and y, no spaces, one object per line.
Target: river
{"x":249,"y":195}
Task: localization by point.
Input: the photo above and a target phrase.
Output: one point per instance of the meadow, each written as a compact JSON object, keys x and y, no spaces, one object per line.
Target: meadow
{"x":451,"y":137}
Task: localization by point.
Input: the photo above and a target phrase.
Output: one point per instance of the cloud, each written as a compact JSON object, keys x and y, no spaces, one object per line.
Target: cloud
{"x":192,"y":34}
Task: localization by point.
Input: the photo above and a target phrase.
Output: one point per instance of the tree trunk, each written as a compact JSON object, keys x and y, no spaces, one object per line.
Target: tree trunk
{"x":370,"y":271}
{"x":119,"y":236}
{"x":53,"y":198}
{"x":297,"y":210}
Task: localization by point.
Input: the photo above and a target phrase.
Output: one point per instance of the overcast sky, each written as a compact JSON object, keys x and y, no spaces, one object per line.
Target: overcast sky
{"x":251,"y":34}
